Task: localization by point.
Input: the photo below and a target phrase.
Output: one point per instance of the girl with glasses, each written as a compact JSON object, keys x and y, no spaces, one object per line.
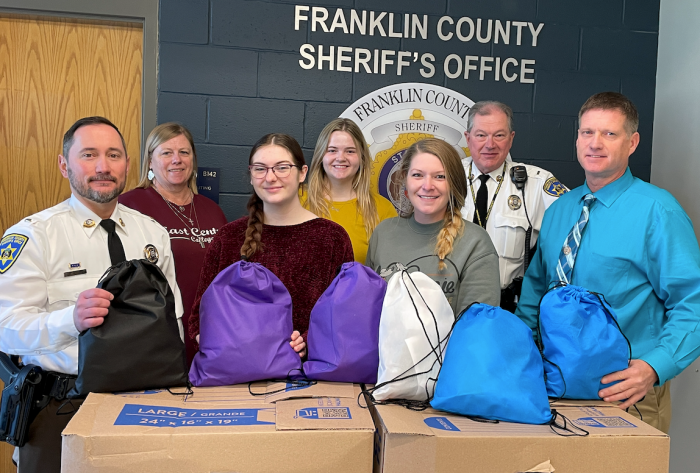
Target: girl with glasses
{"x":430,"y":235}
{"x":303,"y":251}
{"x":339,"y":184}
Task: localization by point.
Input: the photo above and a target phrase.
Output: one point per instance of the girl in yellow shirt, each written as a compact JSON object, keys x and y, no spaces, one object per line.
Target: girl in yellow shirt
{"x":339,"y":187}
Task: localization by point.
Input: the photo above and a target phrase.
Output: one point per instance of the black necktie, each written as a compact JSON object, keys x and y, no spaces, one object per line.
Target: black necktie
{"x":116,"y":250}
{"x":482,"y":197}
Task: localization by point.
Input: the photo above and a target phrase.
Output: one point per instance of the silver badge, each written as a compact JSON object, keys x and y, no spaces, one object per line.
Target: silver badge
{"x":151,"y":253}
{"x":514,"y":202}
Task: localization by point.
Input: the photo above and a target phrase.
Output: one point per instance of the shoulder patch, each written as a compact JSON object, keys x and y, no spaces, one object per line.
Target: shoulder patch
{"x":10,"y":248}
{"x":553,"y":187}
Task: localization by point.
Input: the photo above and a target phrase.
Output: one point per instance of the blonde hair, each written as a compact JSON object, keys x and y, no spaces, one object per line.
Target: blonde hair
{"x":319,"y":186}
{"x":256,"y":215}
{"x":158,"y":136}
{"x":453,"y":225}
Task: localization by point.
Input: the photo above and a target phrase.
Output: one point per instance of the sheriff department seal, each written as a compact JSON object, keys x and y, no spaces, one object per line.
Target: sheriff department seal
{"x":554,"y":188}
{"x":394,"y":117}
{"x":151,"y":253}
{"x":514,"y":202}
{"x":10,"y":248}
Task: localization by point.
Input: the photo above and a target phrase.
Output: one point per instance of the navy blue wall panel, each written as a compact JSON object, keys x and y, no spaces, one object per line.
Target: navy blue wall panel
{"x":229,"y":70}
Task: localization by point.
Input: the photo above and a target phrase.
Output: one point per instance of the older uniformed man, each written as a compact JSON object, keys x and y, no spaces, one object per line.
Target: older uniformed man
{"x":508,"y":199}
{"x":50,"y":265}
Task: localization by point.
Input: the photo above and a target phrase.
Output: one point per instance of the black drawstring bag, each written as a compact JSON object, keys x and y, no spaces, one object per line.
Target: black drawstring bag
{"x":138,"y":346}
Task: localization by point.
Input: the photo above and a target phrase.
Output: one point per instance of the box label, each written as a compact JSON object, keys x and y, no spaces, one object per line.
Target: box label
{"x":605,"y":422}
{"x":440,"y":423}
{"x":296,"y":387}
{"x":334,"y":413}
{"x":162,"y":416}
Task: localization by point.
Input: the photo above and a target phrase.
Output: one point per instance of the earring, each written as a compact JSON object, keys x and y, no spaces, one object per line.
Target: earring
{"x":150,"y":175}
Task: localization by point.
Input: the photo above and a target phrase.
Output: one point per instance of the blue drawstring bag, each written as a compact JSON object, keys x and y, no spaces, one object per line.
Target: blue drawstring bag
{"x":580,"y":341}
{"x":492,"y":369}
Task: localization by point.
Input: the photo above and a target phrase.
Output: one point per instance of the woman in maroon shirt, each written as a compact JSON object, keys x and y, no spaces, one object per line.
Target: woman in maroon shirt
{"x":303,"y":251}
{"x":167,"y":192}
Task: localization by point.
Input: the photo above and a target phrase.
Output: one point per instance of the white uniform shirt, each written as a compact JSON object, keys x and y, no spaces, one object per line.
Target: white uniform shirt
{"x":37,"y":298}
{"x":507,"y":222}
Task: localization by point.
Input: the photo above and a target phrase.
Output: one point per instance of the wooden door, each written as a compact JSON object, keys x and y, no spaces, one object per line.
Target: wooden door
{"x":54,"y":71}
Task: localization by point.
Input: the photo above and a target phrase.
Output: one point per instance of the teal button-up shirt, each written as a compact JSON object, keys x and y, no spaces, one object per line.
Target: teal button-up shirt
{"x":639,"y":250}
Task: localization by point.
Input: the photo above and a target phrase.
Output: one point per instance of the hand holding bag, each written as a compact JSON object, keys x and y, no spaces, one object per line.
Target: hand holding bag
{"x":344,"y":327}
{"x":138,"y":346}
{"x":245,"y":322}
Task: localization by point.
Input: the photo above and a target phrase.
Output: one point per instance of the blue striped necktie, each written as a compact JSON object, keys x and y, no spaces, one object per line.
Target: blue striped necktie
{"x":567,"y":257}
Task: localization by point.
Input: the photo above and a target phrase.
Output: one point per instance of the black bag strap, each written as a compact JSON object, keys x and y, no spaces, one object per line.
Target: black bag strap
{"x":604,"y":303}
{"x":540,"y":343}
{"x":566,"y":428}
{"x":411,"y":403}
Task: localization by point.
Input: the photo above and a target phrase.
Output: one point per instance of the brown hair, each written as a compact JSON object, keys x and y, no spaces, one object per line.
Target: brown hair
{"x":256,"y":216}
{"x":159,"y":135}
{"x":613,"y":101}
{"x":70,"y":134}
{"x":453,"y":225}
{"x":319,"y":187}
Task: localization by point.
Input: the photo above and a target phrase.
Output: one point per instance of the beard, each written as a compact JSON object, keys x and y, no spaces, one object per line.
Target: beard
{"x":84,"y":190}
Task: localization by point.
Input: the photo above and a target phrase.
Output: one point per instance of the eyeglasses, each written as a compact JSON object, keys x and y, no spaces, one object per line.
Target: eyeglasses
{"x":259,"y":171}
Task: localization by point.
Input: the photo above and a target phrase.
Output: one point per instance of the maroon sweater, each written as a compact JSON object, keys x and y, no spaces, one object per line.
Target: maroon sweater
{"x":305,"y":257}
{"x":184,"y":240}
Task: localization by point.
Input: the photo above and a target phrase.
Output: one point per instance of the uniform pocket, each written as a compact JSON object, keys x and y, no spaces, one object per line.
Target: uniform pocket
{"x":65,"y":291}
{"x":509,"y":235}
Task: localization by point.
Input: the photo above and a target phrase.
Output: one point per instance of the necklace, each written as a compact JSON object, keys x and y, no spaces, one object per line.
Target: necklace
{"x":471,"y":186}
{"x":179,"y":212}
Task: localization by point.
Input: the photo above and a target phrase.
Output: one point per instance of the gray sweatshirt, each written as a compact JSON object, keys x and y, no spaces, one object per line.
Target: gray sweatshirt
{"x":471,"y":274}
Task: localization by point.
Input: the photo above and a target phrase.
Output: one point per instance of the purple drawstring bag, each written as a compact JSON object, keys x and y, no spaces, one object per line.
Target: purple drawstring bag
{"x":343,"y":339}
{"x":245,"y":325}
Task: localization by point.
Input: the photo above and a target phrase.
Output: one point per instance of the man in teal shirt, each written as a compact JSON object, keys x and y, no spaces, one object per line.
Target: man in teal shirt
{"x":638,"y":249}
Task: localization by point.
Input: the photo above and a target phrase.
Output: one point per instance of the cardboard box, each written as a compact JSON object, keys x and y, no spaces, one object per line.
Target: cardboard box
{"x":285,"y":429}
{"x":437,"y":442}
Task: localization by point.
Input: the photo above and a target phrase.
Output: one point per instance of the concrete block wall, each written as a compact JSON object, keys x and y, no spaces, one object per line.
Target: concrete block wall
{"x":228,"y":70}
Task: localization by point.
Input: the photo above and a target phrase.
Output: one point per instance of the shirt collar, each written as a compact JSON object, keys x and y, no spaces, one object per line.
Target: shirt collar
{"x":496,"y":173}
{"x":89,"y":220}
{"x":609,"y":193}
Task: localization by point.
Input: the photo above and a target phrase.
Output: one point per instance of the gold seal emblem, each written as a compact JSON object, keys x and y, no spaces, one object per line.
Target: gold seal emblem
{"x":89,"y":223}
{"x":121,"y":222}
{"x":514,"y":202}
{"x":566,"y":249}
{"x":151,"y":253}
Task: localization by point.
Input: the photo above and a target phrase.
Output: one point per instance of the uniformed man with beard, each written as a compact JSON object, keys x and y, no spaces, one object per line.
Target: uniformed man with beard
{"x":51,"y":263}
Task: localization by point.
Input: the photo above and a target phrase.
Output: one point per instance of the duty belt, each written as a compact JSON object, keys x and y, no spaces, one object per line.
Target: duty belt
{"x":58,"y":384}
{"x":511,"y":294}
